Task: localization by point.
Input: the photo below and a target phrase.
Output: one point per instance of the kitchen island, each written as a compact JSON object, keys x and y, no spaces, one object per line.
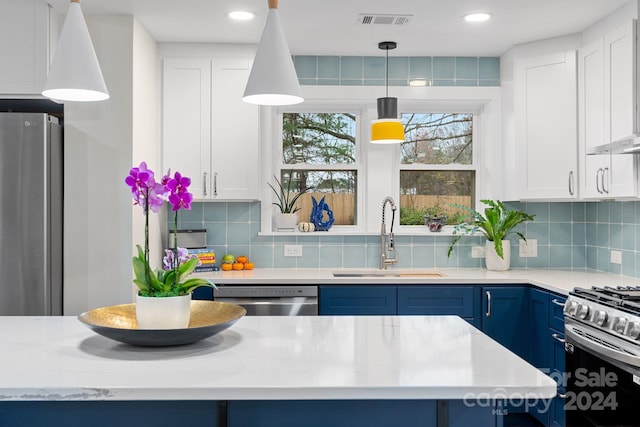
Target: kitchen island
{"x":340,"y":370}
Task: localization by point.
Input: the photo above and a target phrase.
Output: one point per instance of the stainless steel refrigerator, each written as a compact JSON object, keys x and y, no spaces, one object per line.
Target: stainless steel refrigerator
{"x":31,"y":190}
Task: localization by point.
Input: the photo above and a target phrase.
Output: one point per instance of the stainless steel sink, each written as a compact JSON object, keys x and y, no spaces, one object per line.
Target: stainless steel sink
{"x":390,"y":273}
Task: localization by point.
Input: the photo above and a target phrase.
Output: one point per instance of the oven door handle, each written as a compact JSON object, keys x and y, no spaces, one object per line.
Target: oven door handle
{"x":601,"y":350}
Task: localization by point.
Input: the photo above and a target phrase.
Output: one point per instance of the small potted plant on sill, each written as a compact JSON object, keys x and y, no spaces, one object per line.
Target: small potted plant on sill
{"x":163,"y":300}
{"x":496,"y":224}
{"x":287,"y":218}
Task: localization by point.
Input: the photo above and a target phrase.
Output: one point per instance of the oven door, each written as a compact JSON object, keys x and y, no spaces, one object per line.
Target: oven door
{"x":602,"y":378}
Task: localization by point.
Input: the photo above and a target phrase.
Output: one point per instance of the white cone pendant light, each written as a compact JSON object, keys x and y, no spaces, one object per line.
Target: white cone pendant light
{"x":273,"y":79}
{"x":75,"y":74}
{"x":387,"y":129}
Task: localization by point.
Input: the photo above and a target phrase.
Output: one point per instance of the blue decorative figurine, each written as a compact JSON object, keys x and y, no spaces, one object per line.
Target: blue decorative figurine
{"x":317,"y":215}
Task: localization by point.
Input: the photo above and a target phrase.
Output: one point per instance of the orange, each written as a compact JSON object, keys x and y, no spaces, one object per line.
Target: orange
{"x":248,"y":266}
{"x":243,"y":259}
{"x":238,"y":266}
{"x":226,"y":267}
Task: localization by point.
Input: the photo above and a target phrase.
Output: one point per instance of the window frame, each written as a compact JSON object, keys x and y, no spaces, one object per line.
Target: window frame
{"x":449,"y":167}
{"x":378,"y":175}
{"x":322,"y":107}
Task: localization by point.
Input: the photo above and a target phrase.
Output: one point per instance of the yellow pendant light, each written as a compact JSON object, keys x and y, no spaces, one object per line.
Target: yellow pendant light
{"x":273,"y":79}
{"x":75,"y":74}
{"x":387,"y":129}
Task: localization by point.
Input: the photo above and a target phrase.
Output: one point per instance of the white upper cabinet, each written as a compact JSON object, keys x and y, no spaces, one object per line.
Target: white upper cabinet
{"x":24,"y":43}
{"x":607,"y":112}
{"x":545,"y":126}
{"x":209,"y":133}
{"x":186,"y":121}
{"x":235,"y":132}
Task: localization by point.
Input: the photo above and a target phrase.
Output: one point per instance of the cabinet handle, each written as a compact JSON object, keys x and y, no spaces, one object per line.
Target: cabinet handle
{"x":488,"y":313}
{"x":204,"y":184}
{"x":571,"y":183}
{"x":605,"y":175}
{"x":598,"y":180}
{"x":562,"y":396}
{"x":215,"y":183}
{"x":557,"y":338}
{"x":556,"y":302}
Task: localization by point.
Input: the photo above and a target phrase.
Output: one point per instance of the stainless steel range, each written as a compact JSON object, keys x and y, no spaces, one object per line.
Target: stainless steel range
{"x":602,"y":352}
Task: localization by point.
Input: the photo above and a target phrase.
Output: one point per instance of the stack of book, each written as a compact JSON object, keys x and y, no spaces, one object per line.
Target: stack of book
{"x":207,"y":259}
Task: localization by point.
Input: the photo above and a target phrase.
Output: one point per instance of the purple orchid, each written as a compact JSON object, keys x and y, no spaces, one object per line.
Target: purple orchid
{"x":179,"y":196}
{"x":168,"y":262}
{"x":144,"y":189}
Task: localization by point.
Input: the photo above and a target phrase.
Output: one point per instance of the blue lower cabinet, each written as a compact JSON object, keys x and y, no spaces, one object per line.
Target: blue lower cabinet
{"x":557,"y":416}
{"x":556,"y":307}
{"x":505,"y":317}
{"x":357,"y":300}
{"x":108,"y":414}
{"x":436,"y":300}
{"x":202,"y":293}
{"x":361,"y":413}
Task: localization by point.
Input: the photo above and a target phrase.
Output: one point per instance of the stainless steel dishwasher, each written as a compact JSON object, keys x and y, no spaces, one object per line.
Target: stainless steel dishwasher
{"x":271,"y":300}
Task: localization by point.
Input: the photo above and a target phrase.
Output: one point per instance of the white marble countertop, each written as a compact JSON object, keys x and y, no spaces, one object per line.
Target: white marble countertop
{"x":560,"y":281}
{"x":267,"y":358}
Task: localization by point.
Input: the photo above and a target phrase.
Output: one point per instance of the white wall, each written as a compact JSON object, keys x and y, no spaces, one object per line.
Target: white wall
{"x":99,"y":151}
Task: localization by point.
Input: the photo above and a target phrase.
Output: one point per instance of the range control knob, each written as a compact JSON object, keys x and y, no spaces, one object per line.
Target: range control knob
{"x":619,"y":324}
{"x":634,"y":330}
{"x":583,"y":311}
{"x":571,"y":307}
{"x":600,"y":317}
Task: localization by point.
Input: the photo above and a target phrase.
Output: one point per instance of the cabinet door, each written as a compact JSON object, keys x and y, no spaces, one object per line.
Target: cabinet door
{"x":24,"y":43}
{"x":436,"y":300}
{"x":545,"y":126}
{"x":235,"y":124}
{"x":539,"y":321}
{"x":591,"y":126}
{"x":620,"y":105}
{"x":506,"y":317}
{"x":354,"y":300}
{"x":186,"y":121}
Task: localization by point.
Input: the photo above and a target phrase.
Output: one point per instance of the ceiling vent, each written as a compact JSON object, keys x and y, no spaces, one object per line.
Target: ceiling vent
{"x":383,"y":19}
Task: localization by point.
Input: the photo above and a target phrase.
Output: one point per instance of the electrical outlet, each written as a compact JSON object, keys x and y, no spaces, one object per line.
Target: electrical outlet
{"x":528,"y":248}
{"x":477,"y":252}
{"x":616,"y":257}
{"x":292,"y":250}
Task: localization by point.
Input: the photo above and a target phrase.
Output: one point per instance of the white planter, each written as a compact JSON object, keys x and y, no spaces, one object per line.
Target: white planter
{"x":493,"y":261}
{"x":163,"y":313}
{"x":286,"y":221}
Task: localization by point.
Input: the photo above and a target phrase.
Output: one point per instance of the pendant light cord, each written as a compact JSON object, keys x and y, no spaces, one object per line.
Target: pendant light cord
{"x":386,"y":74}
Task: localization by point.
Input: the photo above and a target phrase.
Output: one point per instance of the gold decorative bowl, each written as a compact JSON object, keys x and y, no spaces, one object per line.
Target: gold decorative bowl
{"x":118,"y":322}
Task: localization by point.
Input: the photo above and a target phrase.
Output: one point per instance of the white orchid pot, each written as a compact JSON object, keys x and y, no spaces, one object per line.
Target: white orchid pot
{"x":493,"y":261}
{"x":163,"y":312}
{"x":286,"y":221}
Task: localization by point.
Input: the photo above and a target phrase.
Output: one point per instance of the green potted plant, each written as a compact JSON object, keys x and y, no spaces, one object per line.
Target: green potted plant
{"x":496,"y":224}
{"x":287,"y":218}
{"x":163,"y":300}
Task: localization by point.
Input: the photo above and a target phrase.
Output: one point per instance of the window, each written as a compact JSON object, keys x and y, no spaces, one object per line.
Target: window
{"x":320,"y":150}
{"x":437,"y":169}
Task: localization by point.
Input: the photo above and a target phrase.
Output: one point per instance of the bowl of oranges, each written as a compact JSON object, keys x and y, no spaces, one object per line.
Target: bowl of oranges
{"x":233,"y":263}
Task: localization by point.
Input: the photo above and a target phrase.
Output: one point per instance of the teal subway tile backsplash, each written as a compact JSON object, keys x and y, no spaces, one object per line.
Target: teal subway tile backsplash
{"x":569,"y":235}
{"x":372,"y":70}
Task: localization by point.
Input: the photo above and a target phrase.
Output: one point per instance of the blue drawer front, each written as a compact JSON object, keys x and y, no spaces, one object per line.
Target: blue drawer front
{"x":436,"y":300}
{"x":357,"y":300}
{"x":556,"y":318}
{"x":557,"y":354}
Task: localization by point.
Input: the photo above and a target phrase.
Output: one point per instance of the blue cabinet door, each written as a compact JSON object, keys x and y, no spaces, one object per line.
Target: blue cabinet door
{"x":556,"y":316}
{"x":539,"y":321}
{"x":357,"y":300}
{"x":505,"y":317}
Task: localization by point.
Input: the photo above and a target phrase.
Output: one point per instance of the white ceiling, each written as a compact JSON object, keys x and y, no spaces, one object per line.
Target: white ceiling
{"x":322,"y":27}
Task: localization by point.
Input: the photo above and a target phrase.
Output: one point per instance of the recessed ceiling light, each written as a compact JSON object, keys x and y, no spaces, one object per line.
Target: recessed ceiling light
{"x":241,"y":15}
{"x":477,"y":17}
